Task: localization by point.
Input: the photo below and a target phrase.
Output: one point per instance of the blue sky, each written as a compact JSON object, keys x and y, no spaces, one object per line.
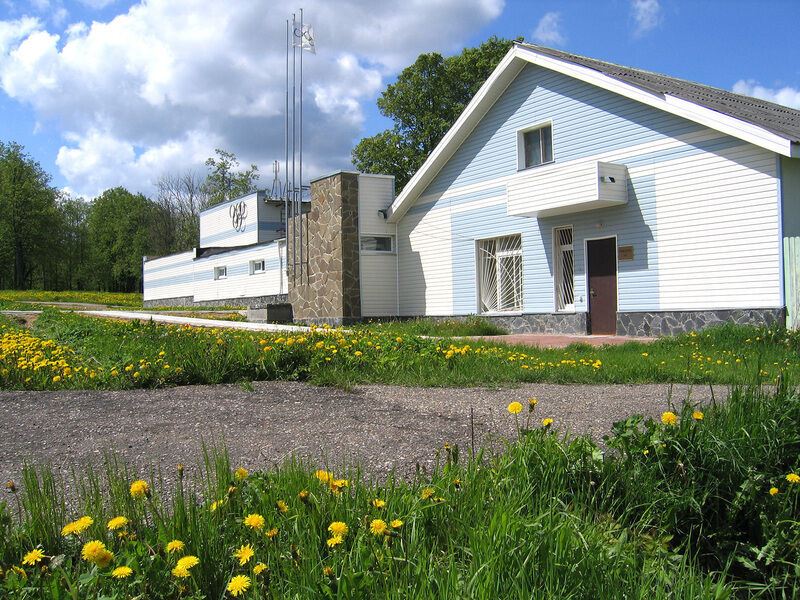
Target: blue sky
{"x":105,"y":92}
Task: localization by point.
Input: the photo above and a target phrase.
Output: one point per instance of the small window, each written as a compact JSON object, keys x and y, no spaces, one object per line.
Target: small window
{"x":563,"y":257}
{"x":256,"y":266}
{"x":500,"y":274}
{"x":536,"y":147}
{"x":220,"y":272}
{"x":377,"y":243}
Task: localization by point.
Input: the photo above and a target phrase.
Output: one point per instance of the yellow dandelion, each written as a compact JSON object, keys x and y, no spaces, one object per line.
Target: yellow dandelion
{"x":238,"y":585}
{"x":281,"y":506}
{"x":244,"y":554}
{"x":174,"y":546}
{"x":117,"y":523}
{"x":670,"y":419}
{"x":547,"y":422}
{"x":378,"y":503}
{"x":793,"y":478}
{"x":773,"y":491}
{"x":698,"y":415}
{"x":396,"y":524}
{"x":180,"y":572}
{"x":378,"y":527}
{"x":93,"y":551}
{"x":259,"y":568}
{"x":105,"y":559}
{"x":338,"y":528}
{"x":328,"y":572}
{"x":241,"y":473}
{"x":188,"y":561}
{"x":33,"y":557}
{"x":140,"y":489}
{"x":426,"y":493}
{"x":121,"y":572}
{"x":303,"y":495}
{"x":514,"y":408}
{"x":271,"y":533}
{"x":334,"y":541}
{"x":324,"y":476}
{"x":255,"y":521}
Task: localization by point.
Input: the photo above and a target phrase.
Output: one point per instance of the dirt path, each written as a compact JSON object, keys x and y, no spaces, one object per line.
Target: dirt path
{"x":383,"y":427}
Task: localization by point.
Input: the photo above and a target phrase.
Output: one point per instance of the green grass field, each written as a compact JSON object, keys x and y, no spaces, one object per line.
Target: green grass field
{"x":704,"y":505}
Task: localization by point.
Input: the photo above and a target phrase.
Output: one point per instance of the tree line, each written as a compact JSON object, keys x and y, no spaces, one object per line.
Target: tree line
{"x":54,"y":241}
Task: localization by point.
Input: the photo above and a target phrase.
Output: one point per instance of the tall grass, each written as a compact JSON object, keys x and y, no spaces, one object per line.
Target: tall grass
{"x":669,"y":511}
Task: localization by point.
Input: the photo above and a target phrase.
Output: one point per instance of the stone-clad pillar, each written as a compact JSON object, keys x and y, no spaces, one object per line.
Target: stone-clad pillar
{"x":329,"y":289}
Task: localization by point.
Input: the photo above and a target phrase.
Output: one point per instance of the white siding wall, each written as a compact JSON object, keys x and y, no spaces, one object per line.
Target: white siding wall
{"x":378,"y":269}
{"x":702,"y":212}
{"x":183,"y":275}
{"x":216,"y":230}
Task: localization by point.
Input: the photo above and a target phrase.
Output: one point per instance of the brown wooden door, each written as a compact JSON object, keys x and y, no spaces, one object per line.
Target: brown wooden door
{"x":601,"y":265}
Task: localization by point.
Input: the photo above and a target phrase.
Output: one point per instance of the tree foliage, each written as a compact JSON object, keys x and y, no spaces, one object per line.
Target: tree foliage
{"x":424,"y":102}
{"x":224,"y":181}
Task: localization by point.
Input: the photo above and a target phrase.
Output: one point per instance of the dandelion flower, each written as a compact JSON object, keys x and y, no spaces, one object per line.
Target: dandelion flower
{"x":698,"y":415}
{"x":378,"y":527}
{"x":180,"y":572}
{"x":793,"y":478}
{"x":117,"y":523}
{"x":328,"y":572}
{"x":338,"y":528}
{"x":174,"y":546}
{"x":324,"y":476}
{"x":303,"y":495}
{"x":105,"y":559}
{"x":281,"y":506}
{"x":33,"y":557}
{"x":121,"y":572}
{"x":670,"y":419}
{"x":396,"y":524}
{"x":378,"y":503}
{"x":334,"y":541}
{"x":238,"y":585}
{"x":139,"y":489}
{"x":426,"y":493}
{"x":241,"y":473}
{"x":271,"y":533}
{"x":93,"y":551}
{"x":514,"y":408}
{"x":532,"y":404}
{"x":773,"y":491}
{"x":188,"y":561}
{"x":259,"y":568}
{"x":255,"y":521}
{"x":78,"y":526}
{"x":244,"y":554}
{"x":547,"y":422}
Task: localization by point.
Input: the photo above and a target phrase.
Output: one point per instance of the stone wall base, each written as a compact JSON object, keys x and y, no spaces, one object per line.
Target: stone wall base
{"x":250,"y":301}
{"x":677,"y":322}
{"x":550,"y":323}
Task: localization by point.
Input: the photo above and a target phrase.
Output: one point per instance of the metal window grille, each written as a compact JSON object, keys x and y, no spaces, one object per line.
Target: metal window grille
{"x":500,"y":273}
{"x":564,"y":269}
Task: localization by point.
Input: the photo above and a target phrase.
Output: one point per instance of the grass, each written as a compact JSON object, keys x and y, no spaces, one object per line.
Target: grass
{"x":44,"y":297}
{"x":64,"y":350}
{"x":681,"y":511}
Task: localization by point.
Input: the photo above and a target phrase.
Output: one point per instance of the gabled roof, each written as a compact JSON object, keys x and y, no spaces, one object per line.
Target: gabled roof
{"x":765,"y":124}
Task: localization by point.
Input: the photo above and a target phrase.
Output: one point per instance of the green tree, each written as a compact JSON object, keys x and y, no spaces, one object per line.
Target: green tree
{"x":73,"y":268}
{"x":224,"y":181}
{"x":424,"y":102}
{"x":119,"y":225}
{"x":27,"y":216}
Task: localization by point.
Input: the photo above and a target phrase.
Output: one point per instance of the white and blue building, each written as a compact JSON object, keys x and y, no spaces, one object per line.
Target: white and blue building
{"x":574,"y":195}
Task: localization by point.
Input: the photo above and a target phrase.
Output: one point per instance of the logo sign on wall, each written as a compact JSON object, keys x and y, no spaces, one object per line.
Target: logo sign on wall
{"x":238,"y":214}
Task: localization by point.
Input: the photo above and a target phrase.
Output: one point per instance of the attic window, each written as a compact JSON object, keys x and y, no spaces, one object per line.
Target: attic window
{"x":535,"y":146}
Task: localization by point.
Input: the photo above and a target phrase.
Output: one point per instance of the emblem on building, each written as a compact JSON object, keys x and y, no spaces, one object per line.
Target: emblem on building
{"x":238,"y":214}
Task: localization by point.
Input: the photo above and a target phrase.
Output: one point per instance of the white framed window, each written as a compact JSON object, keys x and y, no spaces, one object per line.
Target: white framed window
{"x":220,"y":272}
{"x":500,"y":274}
{"x":377,"y":243}
{"x":535,"y":146}
{"x":564,"y":269}
{"x":256,"y":266}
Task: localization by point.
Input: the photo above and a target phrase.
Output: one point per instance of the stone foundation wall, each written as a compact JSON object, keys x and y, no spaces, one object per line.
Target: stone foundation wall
{"x":551,"y":323}
{"x":677,"y":322}
{"x":328,"y":289}
{"x":251,"y":301}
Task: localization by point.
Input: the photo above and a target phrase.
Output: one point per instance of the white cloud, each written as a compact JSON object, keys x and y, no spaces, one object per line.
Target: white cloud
{"x":548,"y":31}
{"x":160,"y":86}
{"x":646,"y":16}
{"x":788,"y":96}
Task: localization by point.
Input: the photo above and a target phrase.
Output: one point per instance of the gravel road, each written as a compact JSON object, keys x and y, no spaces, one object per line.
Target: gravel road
{"x":381,"y":427}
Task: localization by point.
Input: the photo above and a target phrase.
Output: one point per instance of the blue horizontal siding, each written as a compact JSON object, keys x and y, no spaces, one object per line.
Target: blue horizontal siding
{"x":586,"y":120}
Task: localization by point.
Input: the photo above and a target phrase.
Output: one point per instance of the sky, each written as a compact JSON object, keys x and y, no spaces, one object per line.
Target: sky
{"x":106,"y":93}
